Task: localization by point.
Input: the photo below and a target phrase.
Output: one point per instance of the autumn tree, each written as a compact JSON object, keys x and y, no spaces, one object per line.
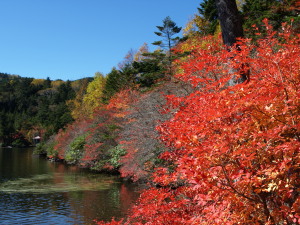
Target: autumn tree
{"x":139,"y":136}
{"x":128,"y":59}
{"x":94,"y":93}
{"x":76,"y":105}
{"x":139,"y":55}
{"x":234,"y":151}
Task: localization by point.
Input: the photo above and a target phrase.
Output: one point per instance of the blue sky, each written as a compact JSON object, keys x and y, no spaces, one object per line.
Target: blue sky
{"x":72,"y":39}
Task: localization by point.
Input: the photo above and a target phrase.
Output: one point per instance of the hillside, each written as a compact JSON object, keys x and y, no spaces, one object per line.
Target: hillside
{"x":33,"y":107}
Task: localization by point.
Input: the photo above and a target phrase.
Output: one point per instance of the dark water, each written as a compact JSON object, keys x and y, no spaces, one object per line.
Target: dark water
{"x":36,"y":191}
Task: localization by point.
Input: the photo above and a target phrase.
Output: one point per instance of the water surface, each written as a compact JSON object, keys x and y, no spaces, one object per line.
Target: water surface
{"x":36,"y":191}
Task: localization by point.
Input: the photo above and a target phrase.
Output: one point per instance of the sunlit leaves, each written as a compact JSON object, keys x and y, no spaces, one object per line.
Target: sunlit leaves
{"x":94,"y":93}
{"x":235,"y":149}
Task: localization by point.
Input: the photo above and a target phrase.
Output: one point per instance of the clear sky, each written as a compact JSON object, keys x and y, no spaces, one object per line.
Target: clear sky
{"x":72,"y":39}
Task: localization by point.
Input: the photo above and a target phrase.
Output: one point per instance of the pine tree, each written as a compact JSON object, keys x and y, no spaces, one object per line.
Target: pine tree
{"x":114,"y":83}
{"x":208,"y":12}
{"x":168,"y":31}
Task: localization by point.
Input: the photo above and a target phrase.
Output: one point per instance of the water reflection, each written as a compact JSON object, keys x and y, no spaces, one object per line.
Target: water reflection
{"x":58,"y":182}
{"x":35,"y":191}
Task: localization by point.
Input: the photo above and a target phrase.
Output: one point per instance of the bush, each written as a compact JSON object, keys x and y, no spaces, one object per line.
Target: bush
{"x":19,"y":143}
{"x":75,"y":151}
{"x":40,"y":149}
{"x":48,"y":148}
{"x":115,"y":156}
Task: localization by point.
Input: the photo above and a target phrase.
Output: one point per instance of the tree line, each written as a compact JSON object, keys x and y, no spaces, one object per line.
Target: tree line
{"x":33,"y":107}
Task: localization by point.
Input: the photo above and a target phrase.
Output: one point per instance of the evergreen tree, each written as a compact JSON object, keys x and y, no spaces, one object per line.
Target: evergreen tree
{"x":167,"y":32}
{"x":150,"y":68}
{"x":276,"y":11}
{"x":208,"y":12}
{"x":28,"y":105}
{"x":114,"y":83}
{"x":47,"y":83}
{"x":64,"y":92}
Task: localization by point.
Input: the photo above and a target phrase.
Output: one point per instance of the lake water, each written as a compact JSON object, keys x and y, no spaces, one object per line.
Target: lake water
{"x":36,"y":191}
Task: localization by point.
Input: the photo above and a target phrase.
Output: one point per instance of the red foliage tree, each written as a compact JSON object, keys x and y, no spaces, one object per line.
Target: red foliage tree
{"x":235,"y":157}
{"x":65,"y":136}
{"x":103,"y":133}
{"x":139,"y":136}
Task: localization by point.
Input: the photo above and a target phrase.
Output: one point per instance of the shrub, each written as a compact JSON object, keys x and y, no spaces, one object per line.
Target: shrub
{"x":51,"y":152}
{"x":75,"y":151}
{"x":115,"y":156}
{"x":40,"y":149}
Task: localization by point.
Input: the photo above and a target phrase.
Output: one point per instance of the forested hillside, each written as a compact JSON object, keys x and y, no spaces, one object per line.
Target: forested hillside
{"x":32,"y":107}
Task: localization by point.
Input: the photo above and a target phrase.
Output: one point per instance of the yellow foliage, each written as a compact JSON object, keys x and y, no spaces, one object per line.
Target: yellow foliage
{"x":139,"y":55}
{"x":56,"y":83}
{"x":195,"y":25}
{"x":94,"y":93}
{"x":37,"y":81}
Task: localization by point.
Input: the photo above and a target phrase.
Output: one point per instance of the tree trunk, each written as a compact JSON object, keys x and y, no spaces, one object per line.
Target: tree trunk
{"x":230,"y":20}
{"x":231,"y":25}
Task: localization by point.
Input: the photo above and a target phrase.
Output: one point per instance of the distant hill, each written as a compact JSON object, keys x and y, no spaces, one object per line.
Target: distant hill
{"x":30,"y":107}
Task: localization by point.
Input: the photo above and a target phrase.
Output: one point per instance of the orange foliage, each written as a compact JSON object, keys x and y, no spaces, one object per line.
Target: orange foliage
{"x":104,"y":128}
{"x":67,"y":135}
{"x":235,"y":157}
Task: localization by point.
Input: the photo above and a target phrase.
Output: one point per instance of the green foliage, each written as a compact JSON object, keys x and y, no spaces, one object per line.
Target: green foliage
{"x":208,"y":11}
{"x":99,"y":165}
{"x":115,"y":155}
{"x":75,"y":150}
{"x":114,"y":82}
{"x":118,"y":80}
{"x":47,"y":83}
{"x":64,"y":92}
{"x":32,"y":107}
{"x":150,"y":69}
{"x":252,"y":12}
{"x":78,"y":143}
{"x":112,"y":159}
{"x":277,"y":12}
{"x":19,"y":143}
{"x":40,"y":149}
{"x":48,"y":147}
{"x":167,"y":32}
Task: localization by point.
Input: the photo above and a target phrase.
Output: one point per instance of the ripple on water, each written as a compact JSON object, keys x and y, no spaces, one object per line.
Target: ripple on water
{"x":35,"y":191}
{"x":52,"y":183}
{"x":25,"y":209}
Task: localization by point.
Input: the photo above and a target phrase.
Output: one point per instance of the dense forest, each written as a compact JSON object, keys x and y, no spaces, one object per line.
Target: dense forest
{"x":210,"y":120}
{"x":33,"y":107}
